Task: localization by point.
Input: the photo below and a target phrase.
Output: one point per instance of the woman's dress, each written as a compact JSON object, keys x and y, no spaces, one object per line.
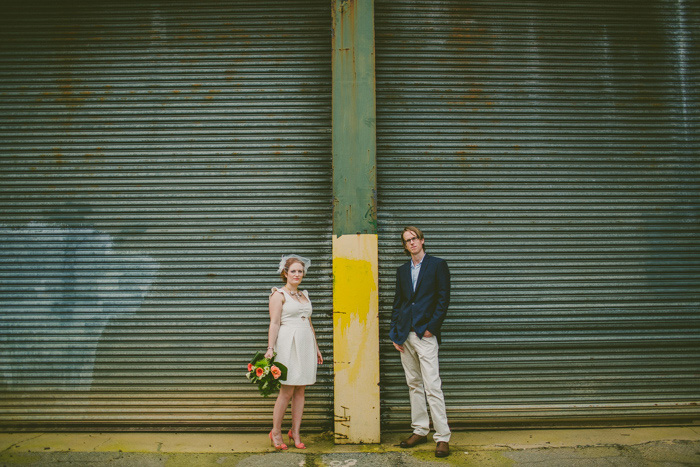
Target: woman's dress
{"x":296,"y":345}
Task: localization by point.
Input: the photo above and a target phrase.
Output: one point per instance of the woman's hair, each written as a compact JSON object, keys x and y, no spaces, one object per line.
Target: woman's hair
{"x":416,"y":231}
{"x":287,"y":265}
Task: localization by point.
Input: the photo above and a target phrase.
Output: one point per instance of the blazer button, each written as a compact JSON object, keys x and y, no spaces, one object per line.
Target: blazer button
{"x":303,"y":317}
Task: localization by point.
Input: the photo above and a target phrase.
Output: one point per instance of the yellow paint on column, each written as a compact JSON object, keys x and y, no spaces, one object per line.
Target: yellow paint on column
{"x":356,"y":338}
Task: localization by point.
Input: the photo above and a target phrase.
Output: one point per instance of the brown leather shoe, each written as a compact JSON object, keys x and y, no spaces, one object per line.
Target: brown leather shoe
{"x":442,"y":449}
{"x":413,"y":440}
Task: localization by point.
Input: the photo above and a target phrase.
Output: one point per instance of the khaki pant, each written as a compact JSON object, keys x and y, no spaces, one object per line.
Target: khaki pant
{"x":420,"y":363}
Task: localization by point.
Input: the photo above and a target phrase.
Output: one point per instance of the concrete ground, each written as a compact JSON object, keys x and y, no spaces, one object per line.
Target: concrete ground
{"x":659,"y":446}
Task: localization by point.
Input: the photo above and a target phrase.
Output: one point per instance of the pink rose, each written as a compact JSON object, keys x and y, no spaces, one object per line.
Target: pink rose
{"x":276,"y":372}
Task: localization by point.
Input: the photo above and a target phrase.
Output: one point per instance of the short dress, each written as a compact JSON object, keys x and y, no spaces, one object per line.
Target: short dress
{"x":296,"y":345}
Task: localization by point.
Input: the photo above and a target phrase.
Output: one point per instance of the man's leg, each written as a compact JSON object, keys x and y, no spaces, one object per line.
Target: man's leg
{"x":427,"y":350}
{"x":420,"y":421}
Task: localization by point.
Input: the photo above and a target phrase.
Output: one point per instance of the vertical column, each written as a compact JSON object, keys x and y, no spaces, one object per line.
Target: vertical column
{"x":355,"y":258}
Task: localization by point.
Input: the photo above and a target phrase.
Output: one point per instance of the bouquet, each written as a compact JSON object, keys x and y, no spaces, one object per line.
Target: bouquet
{"x":266,"y":373}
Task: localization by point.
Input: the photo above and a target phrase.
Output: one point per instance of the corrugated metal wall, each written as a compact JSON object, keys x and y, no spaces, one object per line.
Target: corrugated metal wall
{"x":550,"y":152}
{"x":156,"y":159}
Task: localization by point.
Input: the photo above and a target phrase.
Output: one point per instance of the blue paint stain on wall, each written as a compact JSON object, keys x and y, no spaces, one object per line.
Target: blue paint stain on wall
{"x":59,"y":288}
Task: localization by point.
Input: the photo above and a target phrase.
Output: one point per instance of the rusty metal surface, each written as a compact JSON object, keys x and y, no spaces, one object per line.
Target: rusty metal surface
{"x":549,"y":150}
{"x":156,"y":160}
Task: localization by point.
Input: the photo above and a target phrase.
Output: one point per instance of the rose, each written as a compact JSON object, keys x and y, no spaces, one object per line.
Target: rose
{"x":276,"y":372}
{"x":266,"y":373}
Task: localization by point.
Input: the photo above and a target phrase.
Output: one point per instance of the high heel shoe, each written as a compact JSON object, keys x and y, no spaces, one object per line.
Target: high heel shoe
{"x":279,"y":447}
{"x":293,"y":441}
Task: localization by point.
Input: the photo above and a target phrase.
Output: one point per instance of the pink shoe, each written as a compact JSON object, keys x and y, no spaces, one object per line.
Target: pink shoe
{"x":279,"y":447}
{"x":296,"y":445}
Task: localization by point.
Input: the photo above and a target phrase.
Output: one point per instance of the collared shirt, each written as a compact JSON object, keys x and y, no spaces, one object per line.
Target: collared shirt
{"x":415,"y":271}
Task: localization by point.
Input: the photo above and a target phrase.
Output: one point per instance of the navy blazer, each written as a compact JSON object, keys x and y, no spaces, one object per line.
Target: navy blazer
{"x":424,"y":309}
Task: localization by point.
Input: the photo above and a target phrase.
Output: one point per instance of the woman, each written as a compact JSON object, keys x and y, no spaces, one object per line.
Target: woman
{"x":292,"y":338}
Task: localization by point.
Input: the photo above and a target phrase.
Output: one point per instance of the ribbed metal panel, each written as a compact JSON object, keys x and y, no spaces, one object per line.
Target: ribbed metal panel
{"x":550,"y":152}
{"x":156,"y":159}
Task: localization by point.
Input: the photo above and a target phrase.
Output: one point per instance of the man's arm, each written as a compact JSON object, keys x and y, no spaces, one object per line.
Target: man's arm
{"x":442,"y":286}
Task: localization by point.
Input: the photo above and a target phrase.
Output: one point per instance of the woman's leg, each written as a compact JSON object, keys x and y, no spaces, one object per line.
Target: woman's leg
{"x":298,"y":400}
{"x":281,"y":405}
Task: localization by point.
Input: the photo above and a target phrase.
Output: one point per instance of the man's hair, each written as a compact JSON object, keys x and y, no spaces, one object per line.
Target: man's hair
{"x":415,"y":230}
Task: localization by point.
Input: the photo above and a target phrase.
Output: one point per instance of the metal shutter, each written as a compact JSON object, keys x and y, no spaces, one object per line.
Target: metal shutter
{"x":549,"y":150}
{"x":157,"y":158}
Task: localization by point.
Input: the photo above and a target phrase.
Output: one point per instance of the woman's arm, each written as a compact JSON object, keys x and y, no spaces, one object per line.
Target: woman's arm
{"x":276,"y":302}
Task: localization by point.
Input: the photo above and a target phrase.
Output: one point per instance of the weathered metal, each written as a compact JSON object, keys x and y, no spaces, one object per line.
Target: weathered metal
{"x":156,"y":161}
{"x":355,"y":268}
{"x":550,"y":152}
{"x":354,"y":114}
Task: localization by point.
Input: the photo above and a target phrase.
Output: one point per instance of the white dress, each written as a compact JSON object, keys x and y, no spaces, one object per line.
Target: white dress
{"x":296,"y":345}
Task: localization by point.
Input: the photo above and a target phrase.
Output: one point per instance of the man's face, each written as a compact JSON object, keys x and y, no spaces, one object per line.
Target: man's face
{"x":412,"y":243}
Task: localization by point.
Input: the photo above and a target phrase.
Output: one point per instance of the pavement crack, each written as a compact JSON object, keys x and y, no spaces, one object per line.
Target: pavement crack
{"x":98,"y":446}
{"x":31,"y":438}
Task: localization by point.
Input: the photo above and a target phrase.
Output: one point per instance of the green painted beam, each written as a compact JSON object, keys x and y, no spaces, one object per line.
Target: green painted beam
{"x":354,"y":118}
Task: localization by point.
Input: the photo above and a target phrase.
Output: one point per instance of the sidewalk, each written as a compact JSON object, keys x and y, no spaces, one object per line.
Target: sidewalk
{"x":659,"y":446}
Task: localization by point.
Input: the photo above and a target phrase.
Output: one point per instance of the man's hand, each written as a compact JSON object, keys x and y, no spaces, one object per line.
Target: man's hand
{"x":427,"y":334}
{"x":398,"y":347}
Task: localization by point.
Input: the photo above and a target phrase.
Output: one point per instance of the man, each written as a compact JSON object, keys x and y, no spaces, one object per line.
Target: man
{"x":421,"y":299}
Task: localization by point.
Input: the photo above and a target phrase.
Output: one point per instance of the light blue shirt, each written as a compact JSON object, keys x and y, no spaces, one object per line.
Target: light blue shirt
{"x":415,"y":271}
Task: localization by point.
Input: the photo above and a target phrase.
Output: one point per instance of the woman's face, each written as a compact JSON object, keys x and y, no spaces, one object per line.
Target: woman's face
{"x":295,"y":274}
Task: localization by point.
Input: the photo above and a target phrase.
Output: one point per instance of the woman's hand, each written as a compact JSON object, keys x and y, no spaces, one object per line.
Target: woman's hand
{"x":269,"y":353}
{"x":319,"y":357}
